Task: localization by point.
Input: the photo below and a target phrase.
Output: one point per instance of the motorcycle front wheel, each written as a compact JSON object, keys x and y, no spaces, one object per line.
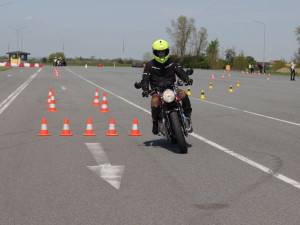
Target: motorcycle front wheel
{"x":178,"y":134}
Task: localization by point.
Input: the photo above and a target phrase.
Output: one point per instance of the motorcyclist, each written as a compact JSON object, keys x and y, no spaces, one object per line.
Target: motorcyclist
{"x":55,"y":61}
{"x":160,"y":69}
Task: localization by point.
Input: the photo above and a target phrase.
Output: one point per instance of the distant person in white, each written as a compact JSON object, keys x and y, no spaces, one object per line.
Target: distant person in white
{"x":55,"y":61}
{"x":293,"y":72}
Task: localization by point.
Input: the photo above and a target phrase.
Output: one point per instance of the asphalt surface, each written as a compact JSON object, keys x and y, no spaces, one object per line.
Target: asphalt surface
{"x":242,"y":166}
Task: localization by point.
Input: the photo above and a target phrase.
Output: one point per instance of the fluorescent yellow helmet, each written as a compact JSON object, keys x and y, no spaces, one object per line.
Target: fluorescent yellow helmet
{"x":161,"y":45}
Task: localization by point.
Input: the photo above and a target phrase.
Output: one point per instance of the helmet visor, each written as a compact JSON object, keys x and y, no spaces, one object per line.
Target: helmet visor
{"x":161,"y":53}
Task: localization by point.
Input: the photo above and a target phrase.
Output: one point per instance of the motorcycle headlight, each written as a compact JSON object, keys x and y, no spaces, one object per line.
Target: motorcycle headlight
{"x":168,"y":96}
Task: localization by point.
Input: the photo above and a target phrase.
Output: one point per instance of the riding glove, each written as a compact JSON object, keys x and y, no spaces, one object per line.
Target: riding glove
{"x":189,"y":81}
{"x":145,"y":92}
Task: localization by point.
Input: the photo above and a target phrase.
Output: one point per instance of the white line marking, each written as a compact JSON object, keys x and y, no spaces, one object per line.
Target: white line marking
{"x":109,"y":173}
{"x":249,"y":161}
{"x":272,"y":118}
{"x":63,"y":88}
{"x":220,"y":147}
{"x":9,"y":75}
{"x":98,"y":152}
{"x":245,"y":111}
{"x":129,"y":102}
{"x":15,"y":94}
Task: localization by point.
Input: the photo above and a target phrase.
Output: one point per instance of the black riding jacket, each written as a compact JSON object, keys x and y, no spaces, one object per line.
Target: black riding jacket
{"x":155,"y":72}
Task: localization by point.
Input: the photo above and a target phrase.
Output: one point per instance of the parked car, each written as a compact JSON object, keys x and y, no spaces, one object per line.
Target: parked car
{"x":138,"y":65}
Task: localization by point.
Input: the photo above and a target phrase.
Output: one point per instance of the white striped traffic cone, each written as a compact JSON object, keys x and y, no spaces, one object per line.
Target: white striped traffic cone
{"x":112,"y":128}
{"x":104,"y":104}
{"x":52,"y":107}
{"x":135,"y":129}
{"x":49,"y":96}
{"x":44,"y":129}
{"x":66,"y":129}
{"x":89,"y":128}
{"x":96,"y":98}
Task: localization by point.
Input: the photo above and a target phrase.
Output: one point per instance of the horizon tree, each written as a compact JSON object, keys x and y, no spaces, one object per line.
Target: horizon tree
{"x":180,"y":33}
{"x":199,"y":41}
{"x":297,"y":54}
{"x":230,"y":54}
{"x":212,"y":54}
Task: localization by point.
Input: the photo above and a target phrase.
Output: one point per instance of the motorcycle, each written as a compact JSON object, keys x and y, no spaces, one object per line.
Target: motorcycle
{"x":173,"y":124}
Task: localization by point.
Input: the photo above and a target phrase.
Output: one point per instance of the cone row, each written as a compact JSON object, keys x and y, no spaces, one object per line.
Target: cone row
{"x":52,"y":106}
{"x":89,"y":128}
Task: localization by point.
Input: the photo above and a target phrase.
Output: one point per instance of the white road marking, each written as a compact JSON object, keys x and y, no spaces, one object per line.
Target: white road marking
{"x":217,"y":146}
{"x":129,"y":102}
{"x":245,"y":111}
{"x":109,"y":173}
{"x":249,"y":161}
{"x":9,"y":75}
{"x":63,"y":88}
{"x":15,"y":94}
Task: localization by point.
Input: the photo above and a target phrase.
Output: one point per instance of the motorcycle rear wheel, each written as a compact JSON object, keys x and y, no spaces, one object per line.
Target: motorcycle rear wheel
{"x":178,"y":134}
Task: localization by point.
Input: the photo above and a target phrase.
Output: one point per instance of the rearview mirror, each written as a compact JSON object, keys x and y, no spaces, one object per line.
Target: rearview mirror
{"x":189,"y":71}
{"x":180,"y":82}
{"x":137,"y":85}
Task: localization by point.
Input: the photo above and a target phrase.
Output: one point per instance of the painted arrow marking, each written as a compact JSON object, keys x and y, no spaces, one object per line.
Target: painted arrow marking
{"x":111,"y":174}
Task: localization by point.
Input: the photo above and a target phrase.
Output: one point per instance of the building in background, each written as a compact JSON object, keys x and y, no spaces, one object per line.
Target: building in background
{"x":18,"y":57}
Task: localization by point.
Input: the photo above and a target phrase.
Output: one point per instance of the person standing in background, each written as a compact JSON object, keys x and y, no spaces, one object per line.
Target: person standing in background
{"x":293,"y":72}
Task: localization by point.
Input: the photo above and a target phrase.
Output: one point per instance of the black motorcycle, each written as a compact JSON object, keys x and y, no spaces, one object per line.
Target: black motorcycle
{"x":173,"y":124}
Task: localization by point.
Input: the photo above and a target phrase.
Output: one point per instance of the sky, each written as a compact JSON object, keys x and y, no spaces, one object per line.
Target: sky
{"x":99,"y":28}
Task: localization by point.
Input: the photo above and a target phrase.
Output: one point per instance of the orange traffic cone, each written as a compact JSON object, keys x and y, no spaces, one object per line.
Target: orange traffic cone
{"x":112,"y":128}
{"x":104,"y":104}
{"x":223,"y":77}
{"x":52,"y":107}
{"x":49,"y":96}
{"x":52,"y":98}
{"x":135,"y":129}
{"x":66,"y":130}
{"x":44,"y":129}
{"x":89,"y":128}
{"x":96,"y":98}
{"x":56,"y":73}
{"x":268,"y":79}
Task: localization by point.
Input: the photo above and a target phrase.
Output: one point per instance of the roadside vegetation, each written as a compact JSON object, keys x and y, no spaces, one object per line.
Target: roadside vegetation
{"x":4,"y":68}
{"x":192,"y":48}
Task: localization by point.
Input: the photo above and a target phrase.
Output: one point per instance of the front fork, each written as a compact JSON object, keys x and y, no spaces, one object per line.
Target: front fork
{"x":182,"y":118}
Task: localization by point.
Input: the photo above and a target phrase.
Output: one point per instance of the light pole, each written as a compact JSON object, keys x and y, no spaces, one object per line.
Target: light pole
{"x":18,"y":31}
{"x":22,"y":39}
{"x":257,"y":21}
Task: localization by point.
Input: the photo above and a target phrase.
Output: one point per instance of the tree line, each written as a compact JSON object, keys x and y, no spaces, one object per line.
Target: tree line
{"x":193,"y":49}
{"x":190,"y":46}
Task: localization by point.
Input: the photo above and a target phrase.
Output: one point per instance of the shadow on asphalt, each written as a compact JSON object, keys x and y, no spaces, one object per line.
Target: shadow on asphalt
{"x":162,"y":143}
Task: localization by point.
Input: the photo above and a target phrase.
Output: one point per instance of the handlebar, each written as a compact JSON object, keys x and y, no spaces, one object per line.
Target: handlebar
{"x":179,"y":82}
{"x":137,"y":85}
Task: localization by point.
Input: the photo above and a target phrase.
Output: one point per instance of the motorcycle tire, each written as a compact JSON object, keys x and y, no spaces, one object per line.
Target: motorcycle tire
{"x":173,"y":140}
{"x":178,"y":134}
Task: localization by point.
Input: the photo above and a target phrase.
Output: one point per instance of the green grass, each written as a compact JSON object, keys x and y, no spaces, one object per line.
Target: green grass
{"x":273,"y":73}
{"x":279,"y":73}
{"x":4,"y":68}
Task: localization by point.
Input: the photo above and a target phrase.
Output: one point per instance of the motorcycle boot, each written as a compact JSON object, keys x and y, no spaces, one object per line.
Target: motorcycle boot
{"x":187,"y":109}
{"x":155,"y":127}
{"x":188,"y":120}
{"x":155,"y":116}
